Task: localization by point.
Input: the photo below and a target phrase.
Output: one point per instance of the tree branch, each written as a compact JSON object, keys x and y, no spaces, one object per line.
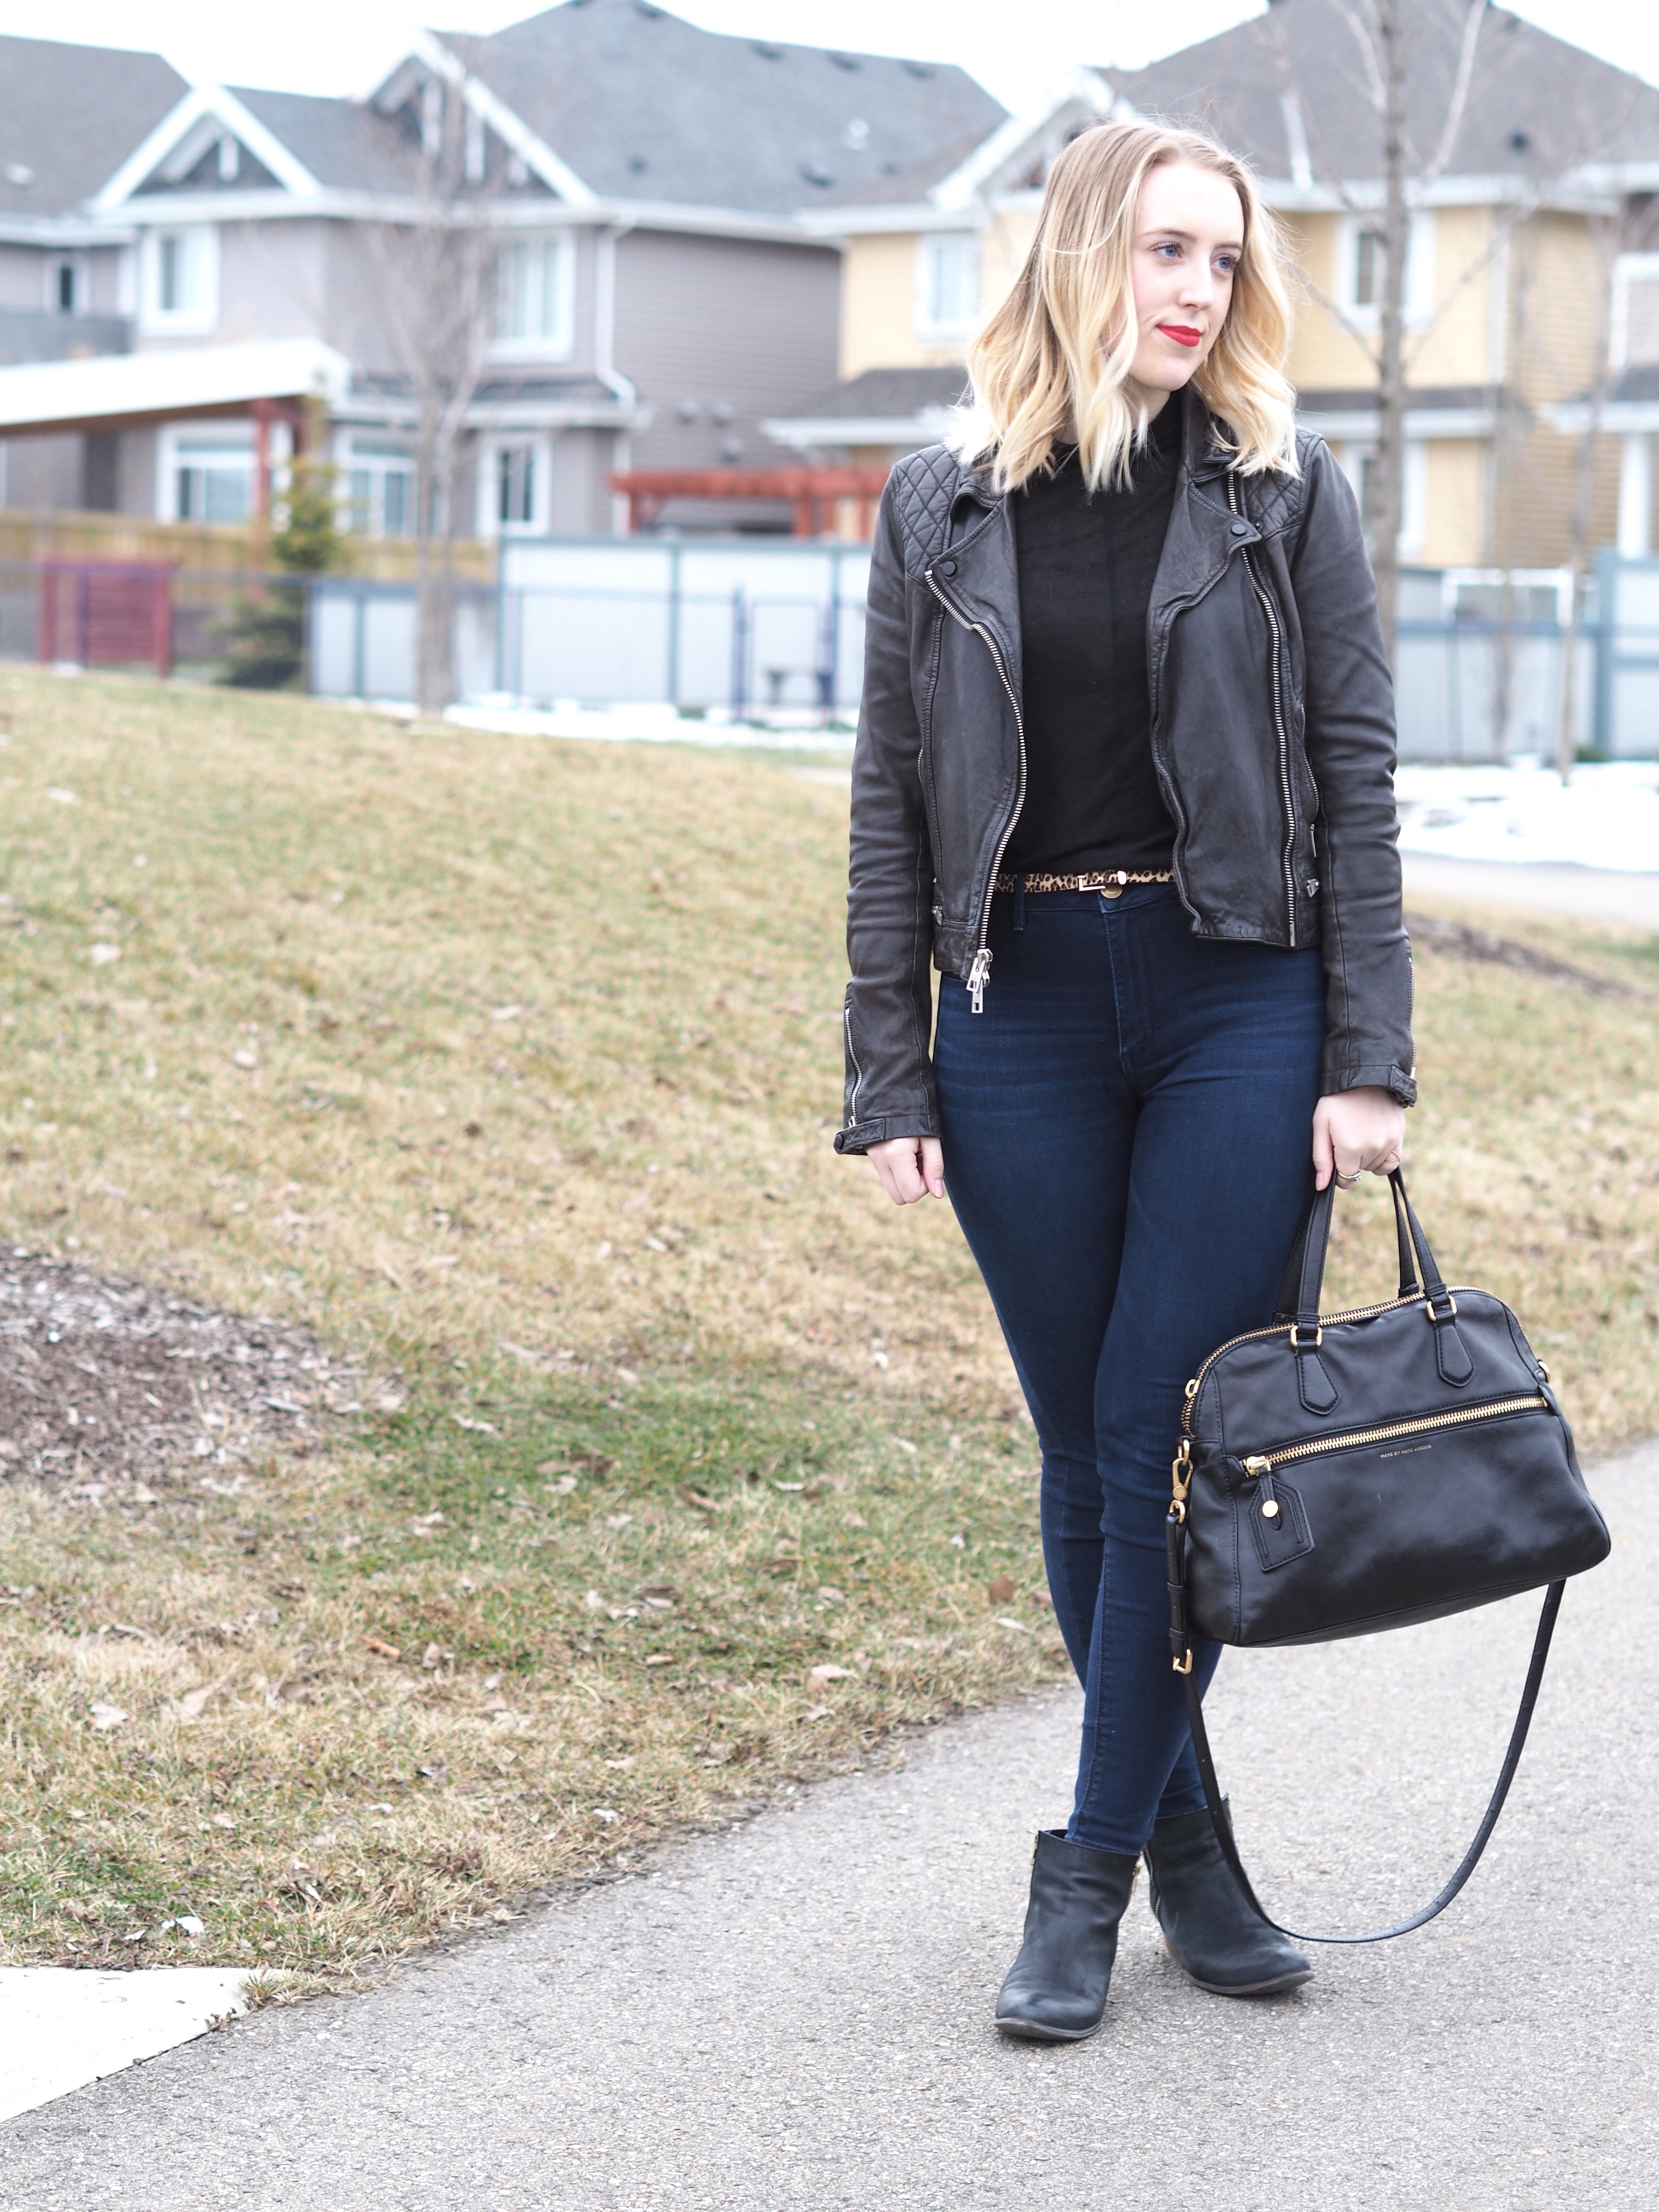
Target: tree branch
{"x":1460,"y":98}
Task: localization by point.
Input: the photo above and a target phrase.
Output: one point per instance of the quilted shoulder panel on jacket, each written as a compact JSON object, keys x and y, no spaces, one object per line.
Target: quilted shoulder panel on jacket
{"x":924,"y":486}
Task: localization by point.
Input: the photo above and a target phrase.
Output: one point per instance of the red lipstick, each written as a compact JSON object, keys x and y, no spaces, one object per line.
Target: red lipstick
{"x":1182,"y":333}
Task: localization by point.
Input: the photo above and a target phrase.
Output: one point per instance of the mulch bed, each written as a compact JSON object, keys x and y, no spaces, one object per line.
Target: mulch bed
{"x":102,"y":1377}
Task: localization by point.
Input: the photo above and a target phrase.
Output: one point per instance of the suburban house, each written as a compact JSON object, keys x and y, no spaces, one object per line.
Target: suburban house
{"x":193,"y":263}
{"x":63,"y":283}
{"x":1534,"y":174}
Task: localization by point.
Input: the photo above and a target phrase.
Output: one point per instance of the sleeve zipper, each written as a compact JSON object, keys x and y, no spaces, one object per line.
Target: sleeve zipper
{"x":979,"y":972}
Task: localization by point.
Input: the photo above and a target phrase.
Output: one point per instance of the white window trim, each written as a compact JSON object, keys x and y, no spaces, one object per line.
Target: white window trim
{"x":349,"y":462}
{"x":1415,"y":498}
{"x":491,"y":450}
{"x":1420,"y":268}
{"x":190,"y":322}
{"x":1628,"y":268}
{"x":927,"y":328}
{"x":169,"y":459}
{"x":1414,"y":489}
{"x":563,"y":342}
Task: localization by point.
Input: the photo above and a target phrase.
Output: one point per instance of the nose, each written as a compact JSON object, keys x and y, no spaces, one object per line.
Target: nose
{"x":1198,"y":284}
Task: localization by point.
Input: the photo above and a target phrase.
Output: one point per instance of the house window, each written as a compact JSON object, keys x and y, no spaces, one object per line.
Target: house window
{"x":536,"y":298}
{"x":515,"y":487}
{"x":1362,"y":267}
{"x":213,"y":476}
{"x":947,"y":285}
{"x":181,"y":279}
{"x":1368,"y":269}
{"x":66,"y":287}
{"x":381,"y":485}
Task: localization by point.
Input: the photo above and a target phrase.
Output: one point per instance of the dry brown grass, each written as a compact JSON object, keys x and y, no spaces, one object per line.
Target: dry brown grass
{"x":509,"y":1069}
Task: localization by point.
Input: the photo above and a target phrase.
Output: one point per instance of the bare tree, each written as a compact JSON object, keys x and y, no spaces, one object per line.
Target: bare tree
{"x":1606,"y":229}
{"x":438,"y":260}
{"x":1415,"y":148}
{"x":1379,"y":33}
{"x":1390,"y":56}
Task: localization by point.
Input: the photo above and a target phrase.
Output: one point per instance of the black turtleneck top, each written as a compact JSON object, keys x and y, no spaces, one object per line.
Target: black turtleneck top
{"x":1087,"y":566}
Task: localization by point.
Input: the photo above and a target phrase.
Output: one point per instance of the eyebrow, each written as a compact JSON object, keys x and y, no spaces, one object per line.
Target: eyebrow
{"x":1190,"y":238}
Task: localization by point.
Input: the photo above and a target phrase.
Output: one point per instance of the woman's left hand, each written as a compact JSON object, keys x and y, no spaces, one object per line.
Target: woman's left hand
{"x":1357,"y":1132}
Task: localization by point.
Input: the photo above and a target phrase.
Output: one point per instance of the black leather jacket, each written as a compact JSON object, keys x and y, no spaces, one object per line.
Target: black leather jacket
{"x":1273,"y":734}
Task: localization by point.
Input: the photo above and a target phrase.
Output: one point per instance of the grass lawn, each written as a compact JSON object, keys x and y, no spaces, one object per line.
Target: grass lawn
{"x":678,"y":1466}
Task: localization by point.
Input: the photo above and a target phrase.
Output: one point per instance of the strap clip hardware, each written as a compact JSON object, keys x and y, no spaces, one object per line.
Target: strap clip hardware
{"x":1181,"y":1475}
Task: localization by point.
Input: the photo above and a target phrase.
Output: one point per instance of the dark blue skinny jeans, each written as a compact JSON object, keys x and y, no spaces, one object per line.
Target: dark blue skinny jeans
{"x":1126,"y":1129}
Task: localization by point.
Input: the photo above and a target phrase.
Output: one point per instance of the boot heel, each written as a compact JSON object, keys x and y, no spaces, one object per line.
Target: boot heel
{"x":1210,"y":1931}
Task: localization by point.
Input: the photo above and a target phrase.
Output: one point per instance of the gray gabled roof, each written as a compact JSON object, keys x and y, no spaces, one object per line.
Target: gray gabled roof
{"x":1537,"y":106}
{"x":905,"y":184}
{"x":887,"y":392}
{"x":347,"y":145}
{"x":643,"y":105}
{"x":70,"y":116}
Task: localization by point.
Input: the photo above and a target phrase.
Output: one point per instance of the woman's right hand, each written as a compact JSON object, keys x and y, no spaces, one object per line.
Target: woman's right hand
{"x":910,"y":1168}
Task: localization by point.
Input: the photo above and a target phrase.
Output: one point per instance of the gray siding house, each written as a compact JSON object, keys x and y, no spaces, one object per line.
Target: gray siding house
{"x":656,"y":285}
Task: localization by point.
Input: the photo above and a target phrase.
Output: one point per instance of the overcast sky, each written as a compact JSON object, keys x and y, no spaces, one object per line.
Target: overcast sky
{"x":1016,"y":47}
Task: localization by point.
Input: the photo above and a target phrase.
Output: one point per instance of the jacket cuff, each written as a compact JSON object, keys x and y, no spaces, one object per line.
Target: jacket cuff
{"x":859,"y":1136}
{"x":1381,"y":1075}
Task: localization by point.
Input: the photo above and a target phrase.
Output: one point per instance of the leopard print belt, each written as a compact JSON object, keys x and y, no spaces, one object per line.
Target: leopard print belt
{"x":1110,"y":885}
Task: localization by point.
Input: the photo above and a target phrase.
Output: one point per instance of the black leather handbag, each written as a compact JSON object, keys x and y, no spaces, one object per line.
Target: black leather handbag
{"x":1340,"y":1475}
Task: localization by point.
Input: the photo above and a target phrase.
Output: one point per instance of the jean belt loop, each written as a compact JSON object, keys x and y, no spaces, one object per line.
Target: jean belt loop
{"x":1019,"y":901}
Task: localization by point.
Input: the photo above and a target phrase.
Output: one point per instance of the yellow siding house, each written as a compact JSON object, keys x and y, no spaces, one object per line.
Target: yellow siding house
{"x":1529,"y":302}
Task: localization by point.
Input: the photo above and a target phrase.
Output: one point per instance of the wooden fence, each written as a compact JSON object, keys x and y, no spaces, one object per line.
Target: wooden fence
{"x":203,"y":545}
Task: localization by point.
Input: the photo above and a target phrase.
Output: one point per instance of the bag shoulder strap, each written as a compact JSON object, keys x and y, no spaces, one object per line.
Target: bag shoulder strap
{"x":1471,"y":1857}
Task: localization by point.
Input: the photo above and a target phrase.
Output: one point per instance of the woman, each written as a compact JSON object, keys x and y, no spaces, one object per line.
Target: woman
{"x":1125,"y":769}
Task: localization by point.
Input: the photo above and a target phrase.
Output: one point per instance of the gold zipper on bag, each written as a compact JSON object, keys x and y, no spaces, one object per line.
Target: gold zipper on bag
{"x":1279,"y":1328}
{"x":1262,"y":1463}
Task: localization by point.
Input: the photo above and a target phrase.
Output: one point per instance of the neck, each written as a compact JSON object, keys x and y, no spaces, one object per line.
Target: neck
{"x":1147,"y":396}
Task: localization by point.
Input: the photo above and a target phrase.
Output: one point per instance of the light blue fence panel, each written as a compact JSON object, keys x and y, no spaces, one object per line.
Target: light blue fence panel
{"x":587,"y":620}
{"x":1627,"y":674}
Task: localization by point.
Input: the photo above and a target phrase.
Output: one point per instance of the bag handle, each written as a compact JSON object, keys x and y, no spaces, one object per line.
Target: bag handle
{"x":1177,"y":1545}
{"x":1304,"y":1270}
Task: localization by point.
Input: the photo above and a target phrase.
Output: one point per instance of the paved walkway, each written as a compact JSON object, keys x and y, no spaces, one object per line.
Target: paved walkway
{"x":796,"y":2013}
{"x":1592,"y":894}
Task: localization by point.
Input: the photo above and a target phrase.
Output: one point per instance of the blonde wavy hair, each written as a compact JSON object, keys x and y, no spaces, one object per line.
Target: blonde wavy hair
{"x":1049,"y":366}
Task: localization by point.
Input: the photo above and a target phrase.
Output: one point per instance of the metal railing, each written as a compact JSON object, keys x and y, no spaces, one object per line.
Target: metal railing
{"x":762,"y":629}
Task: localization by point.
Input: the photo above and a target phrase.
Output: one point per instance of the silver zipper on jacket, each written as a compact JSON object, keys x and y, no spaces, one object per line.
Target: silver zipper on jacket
{"x":979,"y":969}
{"x":858,"y":1072}
{"x":1287,"y":859}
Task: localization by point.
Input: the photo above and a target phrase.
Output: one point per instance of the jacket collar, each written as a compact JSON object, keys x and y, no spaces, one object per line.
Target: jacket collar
{"x":1205,"y":455}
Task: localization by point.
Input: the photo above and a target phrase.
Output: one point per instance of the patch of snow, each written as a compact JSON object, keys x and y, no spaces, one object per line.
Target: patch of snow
{"x":1606,"y":817}
{"x":651,"y":723}
{"x":61,"y":2026}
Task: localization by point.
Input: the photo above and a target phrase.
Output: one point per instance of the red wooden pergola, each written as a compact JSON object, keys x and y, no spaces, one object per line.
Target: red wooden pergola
{"x":812,"y":493}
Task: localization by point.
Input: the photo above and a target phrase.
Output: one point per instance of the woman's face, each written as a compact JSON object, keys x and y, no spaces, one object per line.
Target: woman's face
{"x":1188,"y":240}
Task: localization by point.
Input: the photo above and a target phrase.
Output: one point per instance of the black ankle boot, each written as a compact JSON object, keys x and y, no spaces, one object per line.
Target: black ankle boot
{"x":1057,"y":1988}
{"x":1210,"y":1929}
